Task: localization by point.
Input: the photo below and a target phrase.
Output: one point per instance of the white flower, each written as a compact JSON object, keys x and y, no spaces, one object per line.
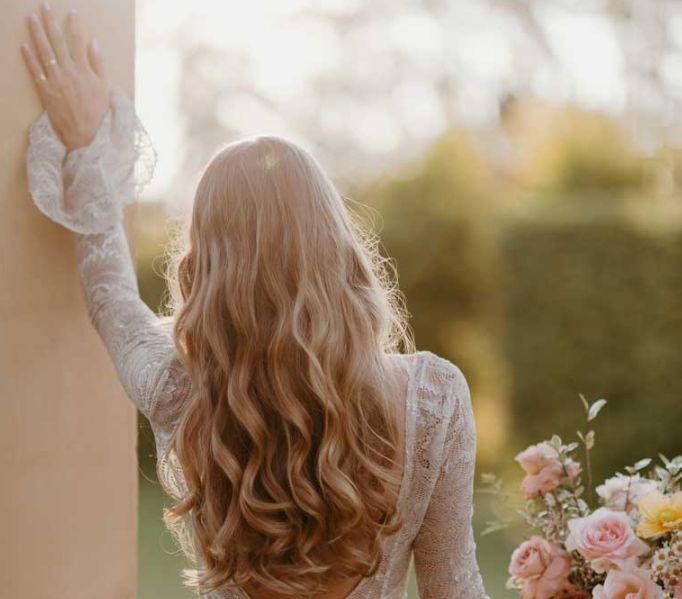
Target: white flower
{"x":666,"y":563}
{"x":615,"y":490}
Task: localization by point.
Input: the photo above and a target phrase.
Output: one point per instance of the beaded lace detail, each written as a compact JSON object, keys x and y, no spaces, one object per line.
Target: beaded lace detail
{"x":85,"y":191}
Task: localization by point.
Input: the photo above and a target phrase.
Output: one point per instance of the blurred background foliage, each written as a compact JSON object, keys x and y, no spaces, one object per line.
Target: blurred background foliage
{"x":434,"y":221}
{"x":567,"y":150}
{"x":592,"y":305}
{"x":539,"y":249}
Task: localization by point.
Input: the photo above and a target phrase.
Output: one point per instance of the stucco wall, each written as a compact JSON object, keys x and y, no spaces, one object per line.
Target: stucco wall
{"x":68,"y":493}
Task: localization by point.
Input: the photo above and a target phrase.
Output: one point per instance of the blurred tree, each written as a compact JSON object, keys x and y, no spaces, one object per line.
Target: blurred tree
{"x":393,"y":76}
{"x":565,"y":150}
{"x":358,"y":112}
{"x":649,"y":38}
{"x":436,"y":223}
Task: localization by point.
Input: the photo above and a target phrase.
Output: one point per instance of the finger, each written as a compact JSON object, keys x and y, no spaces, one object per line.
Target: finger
{"x":77,"y":39}
{"x":34,"y":68}
{"x":54,"y":34}
{"x":45,"y":52}
{"x":96,"y":59}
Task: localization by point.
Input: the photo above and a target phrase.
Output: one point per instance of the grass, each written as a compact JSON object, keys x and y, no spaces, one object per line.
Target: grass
{"x":160,"y":562}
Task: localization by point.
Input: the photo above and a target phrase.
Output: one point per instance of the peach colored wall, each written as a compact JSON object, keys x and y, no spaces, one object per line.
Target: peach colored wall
{"x":68,"y":494}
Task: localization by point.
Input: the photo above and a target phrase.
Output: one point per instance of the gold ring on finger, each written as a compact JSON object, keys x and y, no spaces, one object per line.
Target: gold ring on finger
{"x":40,"y":78}
{"x":50,"y":62}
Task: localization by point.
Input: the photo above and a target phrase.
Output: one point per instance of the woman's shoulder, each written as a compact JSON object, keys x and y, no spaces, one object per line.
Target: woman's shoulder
{"x":431,"y":370}
{"x":437,"y":384}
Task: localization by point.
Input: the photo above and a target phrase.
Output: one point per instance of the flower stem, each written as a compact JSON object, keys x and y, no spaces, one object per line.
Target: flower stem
{"x":627,"y":494}
{"x":588,"y":463}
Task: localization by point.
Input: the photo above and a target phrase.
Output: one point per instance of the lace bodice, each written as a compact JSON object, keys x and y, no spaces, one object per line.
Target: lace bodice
{"x":85,"y":191}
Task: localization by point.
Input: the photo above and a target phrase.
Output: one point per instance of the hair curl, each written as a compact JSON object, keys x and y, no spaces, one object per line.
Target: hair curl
{"x":284,"y":311}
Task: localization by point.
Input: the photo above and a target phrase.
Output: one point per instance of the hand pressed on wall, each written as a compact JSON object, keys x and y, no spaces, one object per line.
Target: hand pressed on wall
{"x":70,"y":76}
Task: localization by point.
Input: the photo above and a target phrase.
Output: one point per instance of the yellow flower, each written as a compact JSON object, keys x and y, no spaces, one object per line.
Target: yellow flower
{"x":660,"y":514}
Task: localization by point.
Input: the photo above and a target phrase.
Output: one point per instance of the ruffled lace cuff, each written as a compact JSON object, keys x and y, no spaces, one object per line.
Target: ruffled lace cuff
{"x":86,"y":189}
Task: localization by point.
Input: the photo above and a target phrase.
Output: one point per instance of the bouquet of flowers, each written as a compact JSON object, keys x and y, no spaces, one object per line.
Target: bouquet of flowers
{"x":629,"y":547}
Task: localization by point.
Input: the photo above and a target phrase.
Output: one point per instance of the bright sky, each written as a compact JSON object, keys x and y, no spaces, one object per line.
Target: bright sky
{"x":286,"y":53}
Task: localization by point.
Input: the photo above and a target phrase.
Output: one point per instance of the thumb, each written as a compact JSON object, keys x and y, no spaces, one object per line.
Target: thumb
{"x":96,"y":59}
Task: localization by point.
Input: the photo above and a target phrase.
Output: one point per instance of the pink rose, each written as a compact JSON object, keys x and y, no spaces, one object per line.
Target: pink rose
{"x":543,"y":469}
{"x":633,"y":583}
{"x":605,"y":539}
{"x":541,"y":566}
{"x":536,"y":457}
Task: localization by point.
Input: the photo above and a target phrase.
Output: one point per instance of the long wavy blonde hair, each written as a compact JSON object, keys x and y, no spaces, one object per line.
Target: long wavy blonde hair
{"x":284,"y":311}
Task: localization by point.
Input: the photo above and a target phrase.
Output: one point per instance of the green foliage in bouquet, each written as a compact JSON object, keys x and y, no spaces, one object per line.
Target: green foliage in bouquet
{"x":626,"y":545}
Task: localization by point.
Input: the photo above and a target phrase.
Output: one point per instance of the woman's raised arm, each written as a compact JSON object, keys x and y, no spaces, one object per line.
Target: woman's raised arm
{"x":141,"y":348}
{"x":81,"y":168}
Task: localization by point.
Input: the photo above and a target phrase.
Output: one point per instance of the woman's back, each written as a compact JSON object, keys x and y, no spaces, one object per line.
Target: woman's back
{"x":438,"y":448}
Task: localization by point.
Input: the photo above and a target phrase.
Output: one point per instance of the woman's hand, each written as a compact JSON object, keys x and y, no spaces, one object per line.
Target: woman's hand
{"x":70,"y":77}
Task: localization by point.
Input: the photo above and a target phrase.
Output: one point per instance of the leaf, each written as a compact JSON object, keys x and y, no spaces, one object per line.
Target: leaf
{"x":663,"y":474}
{"x":585,"y":403}
{"x":493,"y":527}
{"x":572,"y":446}
{"x":642,"y":464}
{"x":556,"y":442}
{"x":675,"y":465}
{"x":581,"y":436}
{"x":664,"y":459}
{"x":595,"y":408}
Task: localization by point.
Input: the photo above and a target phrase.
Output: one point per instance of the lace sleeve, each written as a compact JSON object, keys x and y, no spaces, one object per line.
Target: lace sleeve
{"x":85,"y":191}
{"x":444,"y":548}
{"x":140,"y":346}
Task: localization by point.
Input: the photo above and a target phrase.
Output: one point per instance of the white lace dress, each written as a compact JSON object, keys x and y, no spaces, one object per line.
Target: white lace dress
{"x":85,"y":190}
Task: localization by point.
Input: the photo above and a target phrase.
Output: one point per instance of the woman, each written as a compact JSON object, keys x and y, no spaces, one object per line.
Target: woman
{"x":311,"y":458}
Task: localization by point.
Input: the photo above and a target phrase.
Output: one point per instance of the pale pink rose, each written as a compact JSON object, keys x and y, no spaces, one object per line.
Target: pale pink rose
{"x":606,"y":539}
{"x":541,"y":566}
{"x":547,"y":480}
{"x":543,"y":469}
{"x":621,"y":493}
{"x":536,"y":457}
{"x":633,"y":583}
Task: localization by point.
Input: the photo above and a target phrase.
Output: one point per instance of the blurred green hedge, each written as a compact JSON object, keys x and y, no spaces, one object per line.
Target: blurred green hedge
{"x":593,"y":305}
